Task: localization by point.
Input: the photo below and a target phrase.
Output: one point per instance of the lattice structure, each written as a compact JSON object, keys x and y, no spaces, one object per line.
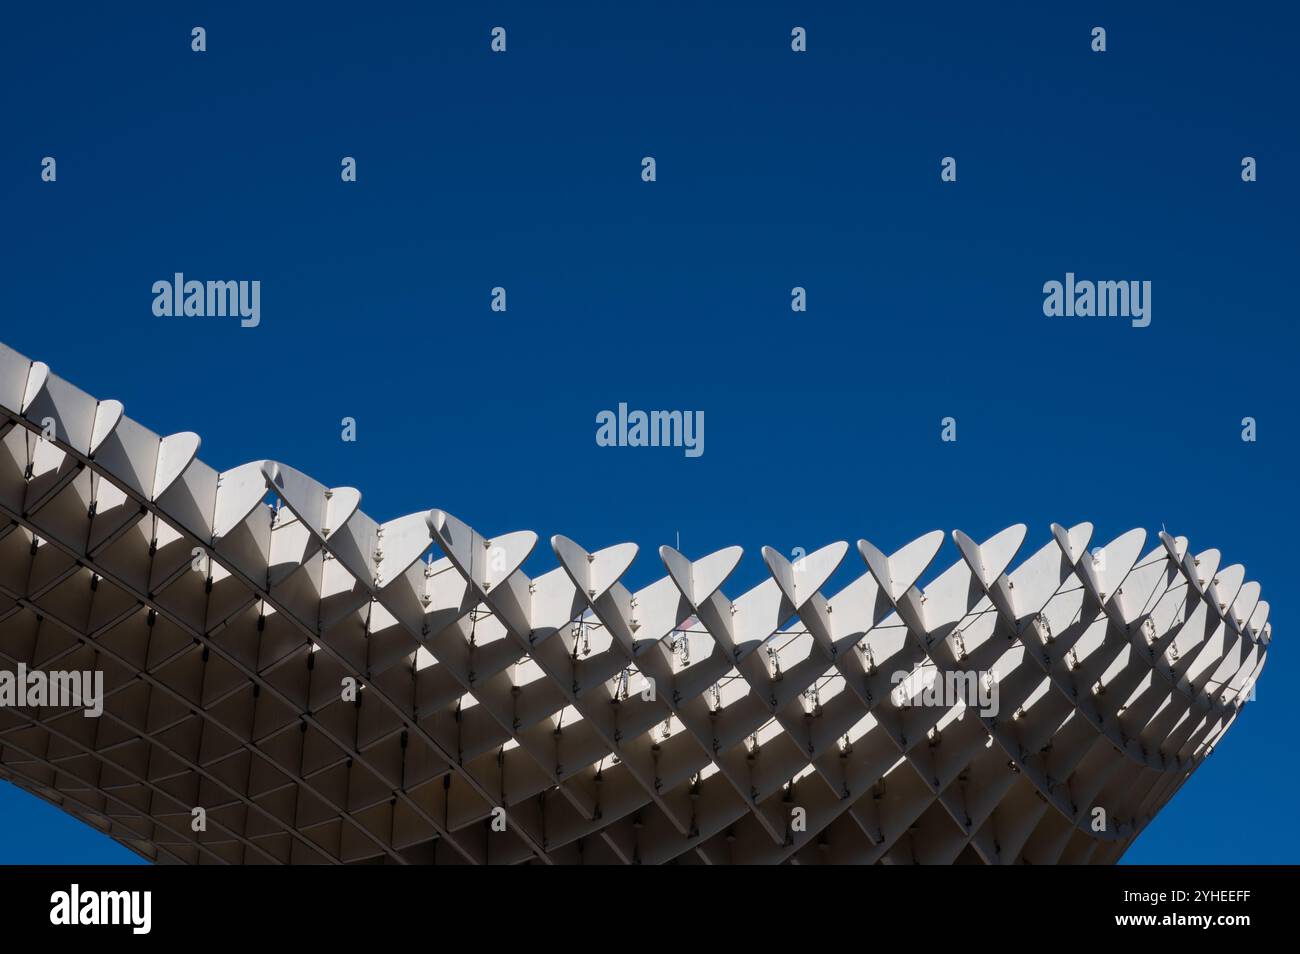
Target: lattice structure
{"x":595,"y":724}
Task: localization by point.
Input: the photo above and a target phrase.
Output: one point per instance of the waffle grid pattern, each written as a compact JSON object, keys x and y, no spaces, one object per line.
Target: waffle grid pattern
{"x":502,"y":718}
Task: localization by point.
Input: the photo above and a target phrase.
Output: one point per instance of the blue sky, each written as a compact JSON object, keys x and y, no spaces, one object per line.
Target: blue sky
{"x":775,"y":169}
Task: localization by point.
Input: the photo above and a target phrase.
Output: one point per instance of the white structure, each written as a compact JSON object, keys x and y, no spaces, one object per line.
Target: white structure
{"x":565,"y":718}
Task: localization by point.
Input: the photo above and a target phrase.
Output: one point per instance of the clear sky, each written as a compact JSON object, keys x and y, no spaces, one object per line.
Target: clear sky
{"x":774,"y":169}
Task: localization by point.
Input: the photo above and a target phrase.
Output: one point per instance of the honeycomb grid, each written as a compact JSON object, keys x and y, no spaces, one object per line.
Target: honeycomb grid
{"x":594,"y":724}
